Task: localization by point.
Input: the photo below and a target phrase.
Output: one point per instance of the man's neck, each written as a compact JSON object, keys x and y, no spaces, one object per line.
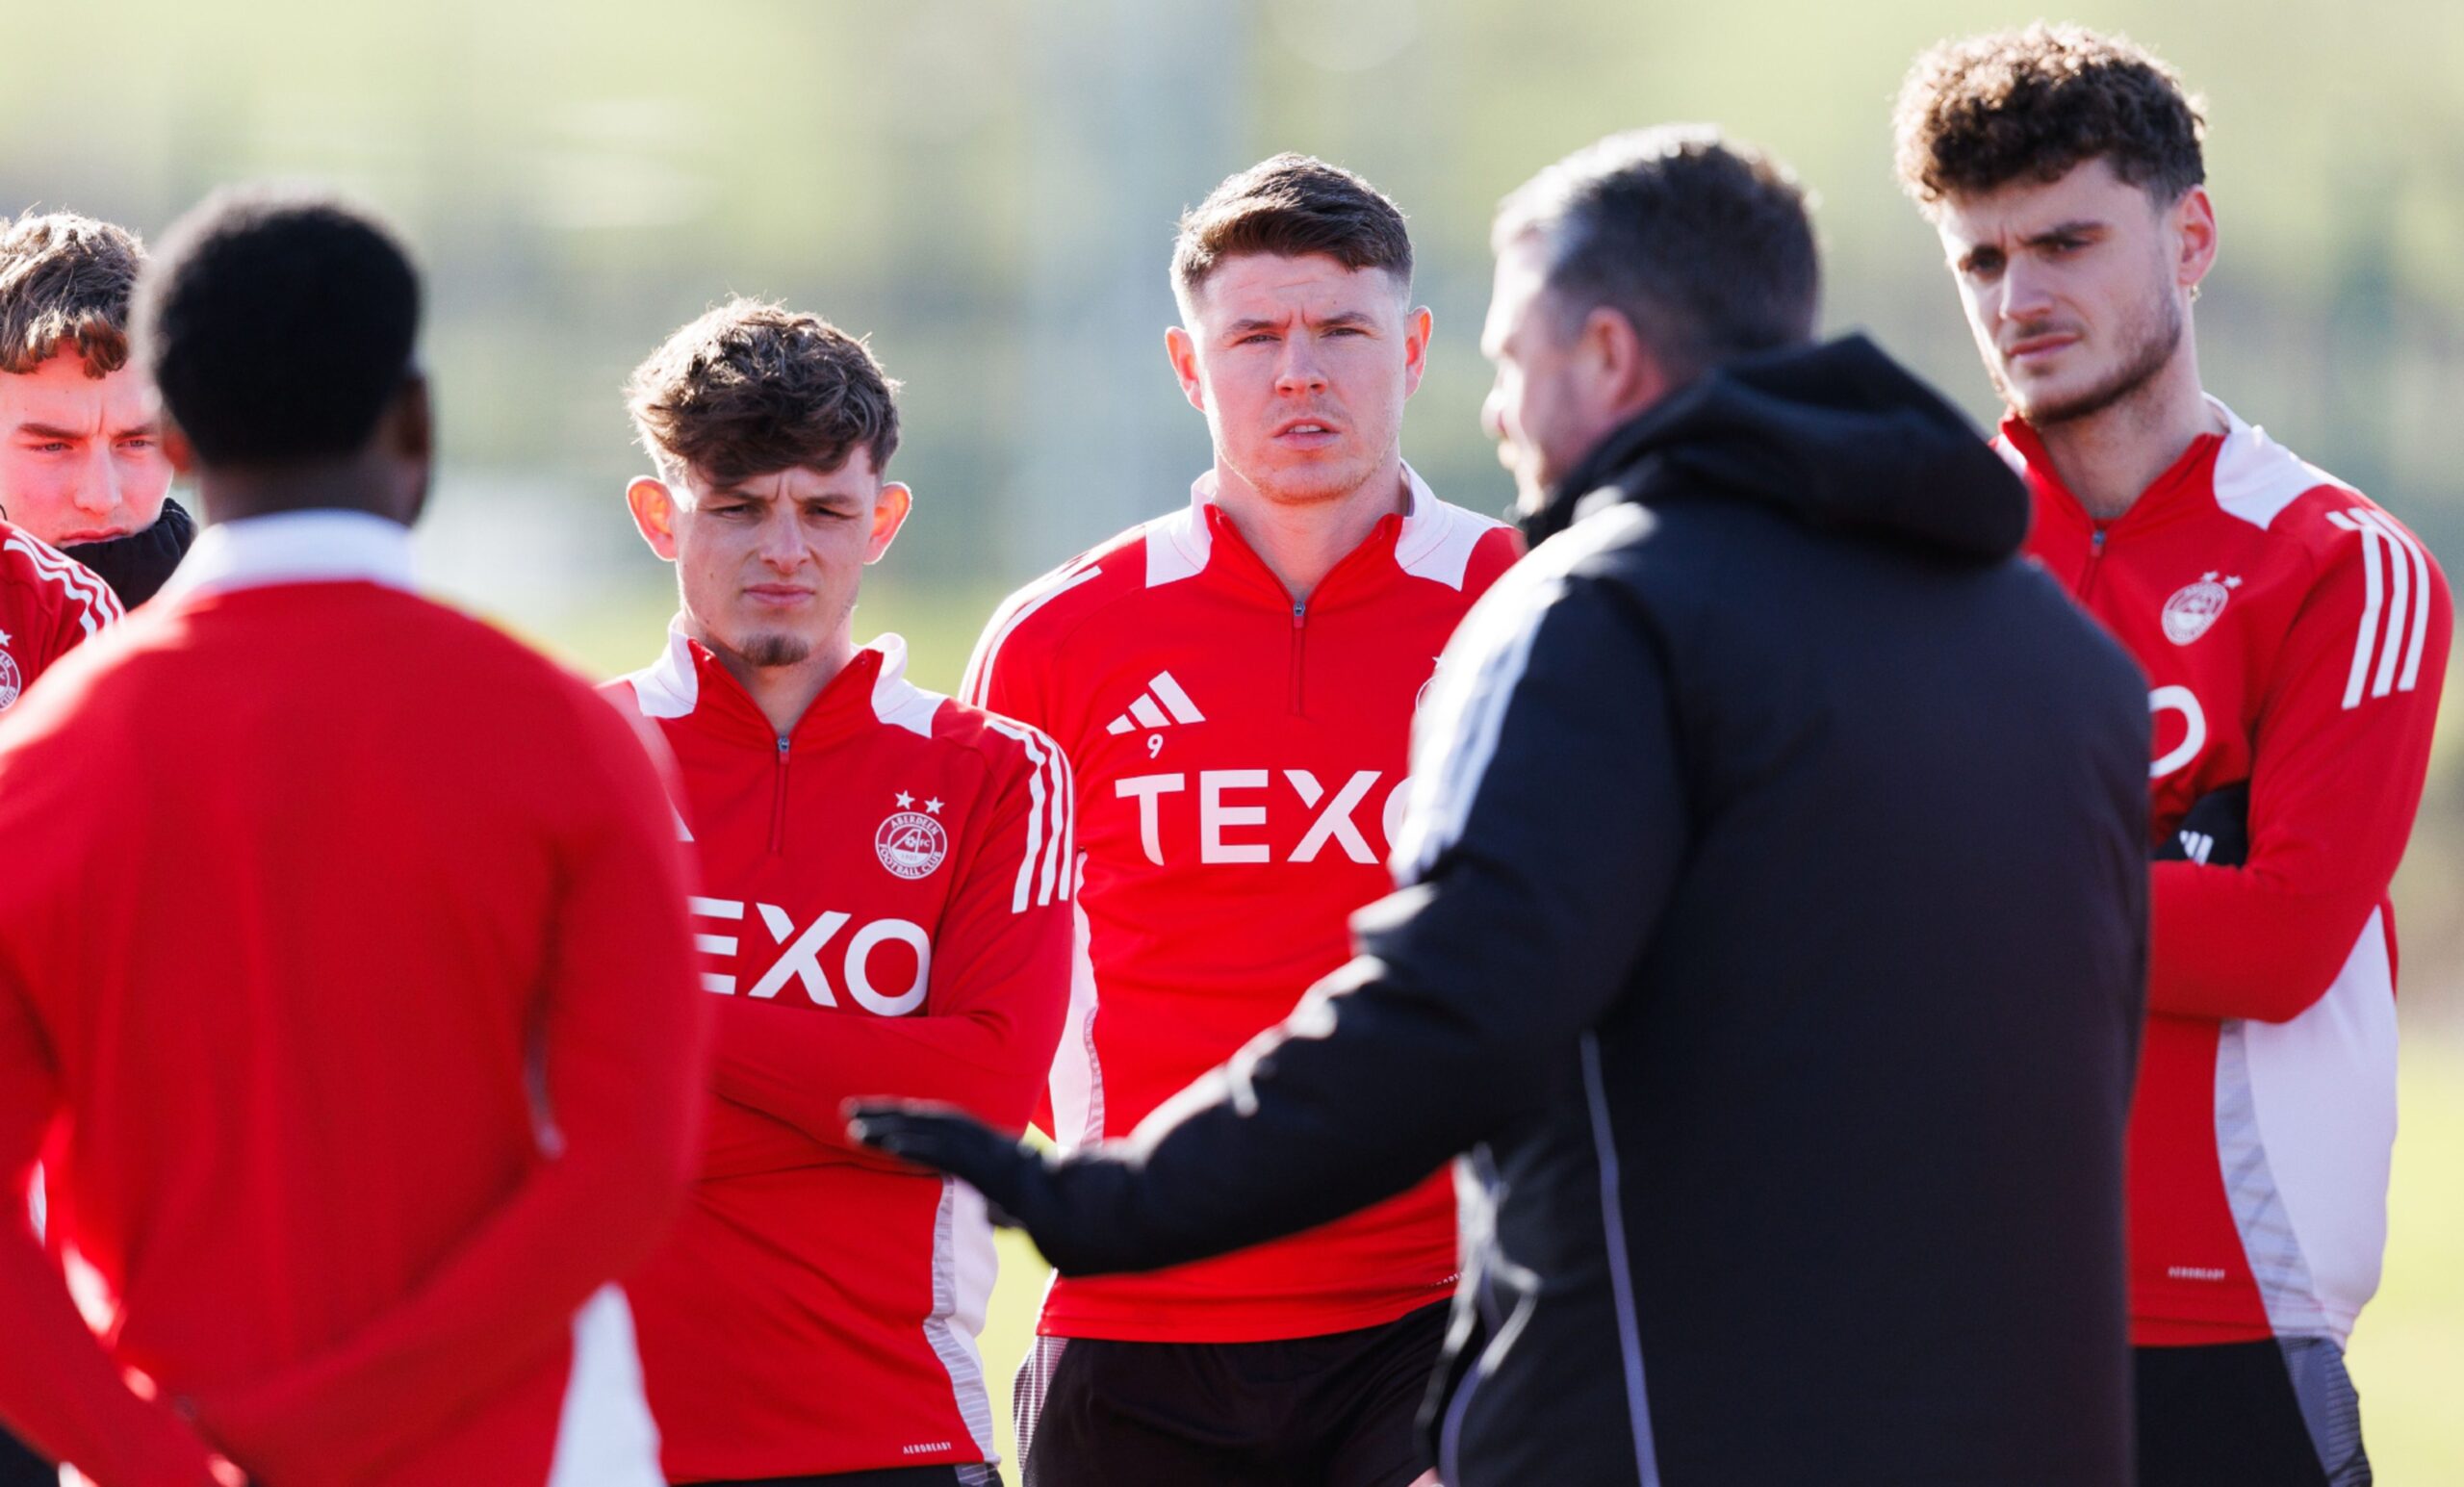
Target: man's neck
{"x":783,"y":693}
{"x":2108,"y":459}
{"x":1301,"y":542}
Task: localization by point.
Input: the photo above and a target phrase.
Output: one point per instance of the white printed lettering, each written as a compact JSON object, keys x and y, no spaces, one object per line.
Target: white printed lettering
{"x":1146,"y":788}
{"x":1214,"y":817}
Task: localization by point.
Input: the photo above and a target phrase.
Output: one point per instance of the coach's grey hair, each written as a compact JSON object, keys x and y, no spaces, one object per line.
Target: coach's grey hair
{"x":1702,"y":243}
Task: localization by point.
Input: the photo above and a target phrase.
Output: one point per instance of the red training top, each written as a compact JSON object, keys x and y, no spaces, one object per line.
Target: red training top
{"x":1242,"y":763}
{"x":365,"y":1038}
{"x":48,"y":603}
{"x":884,"y":911}
{"x":2295,"y":636}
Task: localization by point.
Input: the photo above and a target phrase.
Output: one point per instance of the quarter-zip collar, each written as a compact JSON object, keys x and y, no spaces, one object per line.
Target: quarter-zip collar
{"x":1204,"y":539}
{"x":2182,"y":489}
{"x":871,"y":690}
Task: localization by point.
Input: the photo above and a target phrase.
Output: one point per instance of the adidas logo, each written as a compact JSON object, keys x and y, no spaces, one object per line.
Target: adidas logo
{"x":1144,"y":711}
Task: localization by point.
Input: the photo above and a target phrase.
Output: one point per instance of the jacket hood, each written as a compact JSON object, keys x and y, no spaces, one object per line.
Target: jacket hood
{"x":1837,"y":435}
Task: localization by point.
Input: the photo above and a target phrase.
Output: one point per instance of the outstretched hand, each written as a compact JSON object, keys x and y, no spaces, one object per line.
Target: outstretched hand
{"x":953,"y":1142}
{"x":1085,"y":1210}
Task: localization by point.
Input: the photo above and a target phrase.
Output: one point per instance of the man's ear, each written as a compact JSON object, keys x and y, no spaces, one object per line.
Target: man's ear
{"x":1630,"y":374}
{"x":653,"y":506}
{"x":2195,"y":226}
{"x":889,"y":514}
{"x":1417,"y":326}
{"x":1181,"y":350}
{"x":409,"y":436}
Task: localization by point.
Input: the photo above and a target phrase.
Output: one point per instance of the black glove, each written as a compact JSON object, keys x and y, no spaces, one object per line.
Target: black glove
{"x":1077,"y":1208}
{"x":2216,"y":830}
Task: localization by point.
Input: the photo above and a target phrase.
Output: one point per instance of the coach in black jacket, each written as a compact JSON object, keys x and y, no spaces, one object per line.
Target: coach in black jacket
{"x":1774,"y":923}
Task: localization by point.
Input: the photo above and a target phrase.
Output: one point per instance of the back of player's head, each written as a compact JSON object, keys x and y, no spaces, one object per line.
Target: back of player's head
{"x":1979,"y":113}
{"x":1702,"y":243}
{"x":279,"y":325}
{"x":1291,"y":206}
{"x":751,"y":387}
{"x":64,"y":285}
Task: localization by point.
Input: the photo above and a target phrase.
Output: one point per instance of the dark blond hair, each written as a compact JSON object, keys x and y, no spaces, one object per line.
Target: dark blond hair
{"x":65,"y":283}
{"x":1976,"y":115}
{"x":751,"y":387}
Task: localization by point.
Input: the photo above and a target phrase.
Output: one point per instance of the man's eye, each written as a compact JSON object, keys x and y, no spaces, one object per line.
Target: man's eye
{"x":1254,"y":338}
{"x":139,"y":442}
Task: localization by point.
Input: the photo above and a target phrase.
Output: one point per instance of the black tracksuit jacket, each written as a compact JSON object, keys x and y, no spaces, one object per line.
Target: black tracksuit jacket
{"x":1773,"y":944}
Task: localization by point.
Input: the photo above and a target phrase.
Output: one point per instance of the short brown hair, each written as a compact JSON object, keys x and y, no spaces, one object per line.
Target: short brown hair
{"x":1703,"y":242}
{"x":1974,"y":116}
{"x":751,"y":387}
{"x":65,"y":280}
{"x":1291,"y":205}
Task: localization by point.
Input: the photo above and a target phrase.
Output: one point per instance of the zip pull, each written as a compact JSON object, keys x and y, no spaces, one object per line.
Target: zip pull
{"x":1299,"y":612}
{"x":2096,"y":542}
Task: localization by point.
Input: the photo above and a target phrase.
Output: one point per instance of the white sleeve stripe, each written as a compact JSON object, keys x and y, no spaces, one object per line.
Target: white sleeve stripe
{"x":96,"y":605}
{"x":1047,"y":796}
{"x":1061,"y":814}
{"x":72,"y":575}
{"x":2420,"y":564}
{"x":2365,"y":644}
{"x":978,"y":683}
{"x":2400,"y":585}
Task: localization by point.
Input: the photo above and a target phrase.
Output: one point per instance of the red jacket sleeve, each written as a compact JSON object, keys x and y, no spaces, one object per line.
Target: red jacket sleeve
{"x":59,"y":1389}
{"x":623,"y":1047}
{"x":2341,"y":749}
{"x":998,"y":989}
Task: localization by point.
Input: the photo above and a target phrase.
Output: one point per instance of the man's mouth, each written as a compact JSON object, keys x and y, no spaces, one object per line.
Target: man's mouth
{"x":2036,"y":348}
{"x":1307,"y":431}
{"x":778,"y":595}
{"x":96,"y":535}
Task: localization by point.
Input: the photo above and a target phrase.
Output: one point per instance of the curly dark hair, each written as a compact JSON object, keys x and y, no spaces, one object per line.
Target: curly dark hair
{"x":65,"y":282}
{"x":753,"y":387}
{"x":1978,"y":113}
{"x":1291,"y":205}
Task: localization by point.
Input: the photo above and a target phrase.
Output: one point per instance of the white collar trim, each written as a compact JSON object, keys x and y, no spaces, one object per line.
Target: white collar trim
{"x":297,"y":547}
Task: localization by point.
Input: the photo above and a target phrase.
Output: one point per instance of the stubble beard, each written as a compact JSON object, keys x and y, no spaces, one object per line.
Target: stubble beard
{"x":2151,"y":352}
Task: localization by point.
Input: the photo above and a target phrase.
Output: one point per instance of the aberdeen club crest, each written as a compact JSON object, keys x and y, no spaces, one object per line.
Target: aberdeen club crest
{"x":910,"y":843}
{"x":2195,"y":607}
{"x":11,"y":681}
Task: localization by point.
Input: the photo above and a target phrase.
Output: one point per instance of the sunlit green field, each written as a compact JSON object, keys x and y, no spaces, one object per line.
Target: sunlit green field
{"x":2407,"y":1357}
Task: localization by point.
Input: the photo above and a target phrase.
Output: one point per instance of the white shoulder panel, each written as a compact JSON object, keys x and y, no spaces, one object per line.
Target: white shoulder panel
{"x":1178,"y":544}
{"x":2257,"y":478}
{"x":896,"y":701}
{"x":668,"y":687}
{"x":1438,"y":538}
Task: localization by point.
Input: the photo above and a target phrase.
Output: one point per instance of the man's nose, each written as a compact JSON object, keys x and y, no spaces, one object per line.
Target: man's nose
{"x":782,"y":541}
{"x":98,"y":483}
{"x":2024,"y":292}
{"x":1300,"y":371}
